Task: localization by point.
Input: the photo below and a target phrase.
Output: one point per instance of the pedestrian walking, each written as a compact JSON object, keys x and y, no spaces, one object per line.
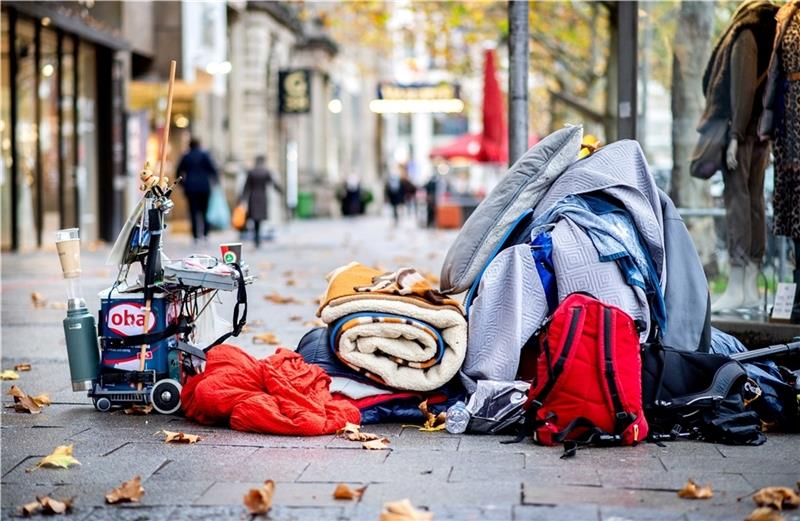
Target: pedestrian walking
{"x":352,"y":197}
{"x":254,"y":194}
{"x":199,"y":176}
{"x":394,"y":195}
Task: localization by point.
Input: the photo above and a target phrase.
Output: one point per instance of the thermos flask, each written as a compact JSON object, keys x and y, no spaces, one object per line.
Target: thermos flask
{"x":81,"y":335}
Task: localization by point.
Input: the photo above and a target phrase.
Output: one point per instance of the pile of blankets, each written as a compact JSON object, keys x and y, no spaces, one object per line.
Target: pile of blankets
{"x":392,"y":340}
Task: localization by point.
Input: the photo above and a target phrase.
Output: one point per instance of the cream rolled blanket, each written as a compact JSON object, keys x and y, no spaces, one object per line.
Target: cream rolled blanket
{"x":394,"y":328}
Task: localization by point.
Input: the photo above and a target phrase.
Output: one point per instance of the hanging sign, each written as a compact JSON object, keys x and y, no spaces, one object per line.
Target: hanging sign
{"x":294,"y":92}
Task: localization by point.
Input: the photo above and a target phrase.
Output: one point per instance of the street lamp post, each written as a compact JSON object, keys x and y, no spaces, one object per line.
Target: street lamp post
{"x":517,"y":79}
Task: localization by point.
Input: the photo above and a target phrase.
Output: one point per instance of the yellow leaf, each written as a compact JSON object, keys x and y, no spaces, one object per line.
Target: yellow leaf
{"x":61,"y":457}
{"x":352,"y":432}
{"x":266,"y":338}
{"x":180,"y":437}
{"x":343,"y":491}
{"x":8,"y":374}
{"x":22,"y":367}
{"x":764,"y":514}
{"x":42,"y":400}
{"x":25,"y":403}
{"x":777,"y":498}
{"x":38,"y":300}
{"x":130,"y":491}
{"x":139,"y":410}
{"x":377,"y":444}
{"x":692,"y":490}
{"x":403,"y":511}
{"x":259,"y":500}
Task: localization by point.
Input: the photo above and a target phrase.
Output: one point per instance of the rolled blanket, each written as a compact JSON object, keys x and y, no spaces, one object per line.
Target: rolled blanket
{"x":395,"y":329}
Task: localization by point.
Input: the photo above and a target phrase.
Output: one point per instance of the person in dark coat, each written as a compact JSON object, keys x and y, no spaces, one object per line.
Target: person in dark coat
{"x":255,"y":195}
{"x":199,"y":176}
{"x":394,"y":195}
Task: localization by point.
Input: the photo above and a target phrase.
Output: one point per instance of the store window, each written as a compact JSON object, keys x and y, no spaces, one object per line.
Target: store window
{"x":5,"y":134}
{"x":26,"y":132}
{"x":87,"y":140}
{"x":69,"y":203}
{"x":49,"y":220}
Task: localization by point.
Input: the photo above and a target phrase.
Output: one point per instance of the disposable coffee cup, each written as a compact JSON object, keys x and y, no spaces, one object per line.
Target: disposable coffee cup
{"x":231,"y":252}
{"x":68,"y":244}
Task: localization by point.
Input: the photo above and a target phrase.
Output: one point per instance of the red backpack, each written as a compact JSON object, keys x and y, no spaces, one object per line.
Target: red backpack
{"x":587,"y":372}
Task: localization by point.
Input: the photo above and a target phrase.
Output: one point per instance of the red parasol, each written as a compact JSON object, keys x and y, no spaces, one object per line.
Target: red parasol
{"x":494,"y":138}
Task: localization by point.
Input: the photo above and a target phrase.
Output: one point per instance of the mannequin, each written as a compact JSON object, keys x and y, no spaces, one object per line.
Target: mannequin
{"x":734,"y":83}
{"x":781,"y":122}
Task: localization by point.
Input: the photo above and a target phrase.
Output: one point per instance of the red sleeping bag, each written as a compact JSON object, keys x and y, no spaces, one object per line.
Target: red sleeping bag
{"x":281,"y":394}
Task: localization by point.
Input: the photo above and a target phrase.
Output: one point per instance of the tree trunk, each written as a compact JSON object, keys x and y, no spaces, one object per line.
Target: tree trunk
{"x":691,"y":50}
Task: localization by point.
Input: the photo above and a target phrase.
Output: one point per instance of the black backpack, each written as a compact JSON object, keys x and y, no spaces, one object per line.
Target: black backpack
{"x":695,"y":395}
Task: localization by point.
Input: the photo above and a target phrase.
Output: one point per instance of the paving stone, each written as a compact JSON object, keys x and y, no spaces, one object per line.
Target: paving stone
{"x":433,"y":493}
{"x":539,"y":494}
{"x":688,"y":464}
{"x":92,"y":470}
{"x":638,"y":514}
{"x":286,"y":494}
{"x":759,"y":479}
{"x":554,"y":475}
{"x":556,"y":512}
{"x":130,"y":513}
{"x":655,"y":478}
{"x":475,"y":460}
{"x":14,"y":494}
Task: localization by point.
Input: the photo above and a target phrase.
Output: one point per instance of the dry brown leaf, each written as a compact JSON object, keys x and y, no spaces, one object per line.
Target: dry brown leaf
{"x":343,"y":491}
{"x":291,"y":282}
{"x":266,"y":338}
{"x":38,"y":300}
{"x":25,"y":403}
{"x":403,"y":511}
{"x":22,"y":367}
{"x":180,"y":437}
{"x":295,"y":318}
{"x":28,"y":509}
{"x":139,"y":410}
{"x":8,"y":374}
{"x":433,"y":422}
{"x":281,"y":299}
{"x":379,"y":444}
{"x":314,"y":323}
{"x":777,"y":498}
{"x":692,"y":490}
{"x":61,"y":457}
{"x":46,"y":505}
{"x":764,"y":514}
{"x":130,"y":491}
{"x":352,"y":432}
{"x":259,"y":500}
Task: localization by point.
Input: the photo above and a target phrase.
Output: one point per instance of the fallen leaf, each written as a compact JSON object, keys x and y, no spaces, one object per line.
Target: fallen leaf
{"x":764,"y":514}
{"x":433,"y":422}
{"x":259,"y":500}
{"x":295,"y":318}
{"x":139,"y":410}
{"x":46,"y":505}
{"x":291,"y":282}
{"x":379,"y":444}
{"x":288,"y":273}
{"x":777,"y":498}
{"x":25,"y":403}
{"x":266,"y":266}
{"x":281,"y":299}
{"x":8,"y":374}
{"x":180,"y":437}
{"x":28,"y":509}
{"x":61,"y":458}
{"x":352,"y":432}
{"x":266,"y":338}
{"x":22,"y":367}
{"x":343,"y":491}
{"x":314,"y":323}
{"x":403,"y":511}
{"x":130,"y":491}
{"x":38,"y":300}
{"x":692,"y":490}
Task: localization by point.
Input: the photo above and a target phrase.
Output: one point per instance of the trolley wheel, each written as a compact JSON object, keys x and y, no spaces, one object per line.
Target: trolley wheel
{"x":102,"y":404}
{"x":165,"y":396}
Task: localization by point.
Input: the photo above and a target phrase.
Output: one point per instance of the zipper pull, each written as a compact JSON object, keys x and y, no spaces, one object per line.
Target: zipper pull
{"x":635,"y":432}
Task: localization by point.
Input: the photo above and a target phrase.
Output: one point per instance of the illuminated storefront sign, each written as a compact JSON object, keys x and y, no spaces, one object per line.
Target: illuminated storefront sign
{"x":394,"y":98}
{"x":295,"y":91}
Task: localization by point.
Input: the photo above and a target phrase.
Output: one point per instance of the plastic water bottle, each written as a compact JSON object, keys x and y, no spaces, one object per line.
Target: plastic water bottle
{"x":457,"y":418}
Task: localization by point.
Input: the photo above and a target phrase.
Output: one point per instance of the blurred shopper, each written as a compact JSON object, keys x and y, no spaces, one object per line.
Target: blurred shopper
{"x":395,"y":195}
{"x":351,"y":197}
{"x":199,"y":176}
{"x":409,"y":193}
{"x":254,"y":194}
{"x":431,"y":190}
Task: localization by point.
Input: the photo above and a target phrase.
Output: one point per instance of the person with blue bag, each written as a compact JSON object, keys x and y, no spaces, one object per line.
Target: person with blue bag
{"x":254,"y":195}
{"x":199,"y":177}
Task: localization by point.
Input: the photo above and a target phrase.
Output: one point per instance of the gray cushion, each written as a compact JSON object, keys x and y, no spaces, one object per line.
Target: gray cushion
{"x":518,"y":191}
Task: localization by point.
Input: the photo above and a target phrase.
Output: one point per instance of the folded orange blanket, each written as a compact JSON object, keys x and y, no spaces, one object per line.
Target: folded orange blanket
{"x":280,"y":394}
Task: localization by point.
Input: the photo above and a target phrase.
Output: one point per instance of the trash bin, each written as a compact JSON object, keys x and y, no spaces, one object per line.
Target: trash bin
{"x":305,"y":205}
